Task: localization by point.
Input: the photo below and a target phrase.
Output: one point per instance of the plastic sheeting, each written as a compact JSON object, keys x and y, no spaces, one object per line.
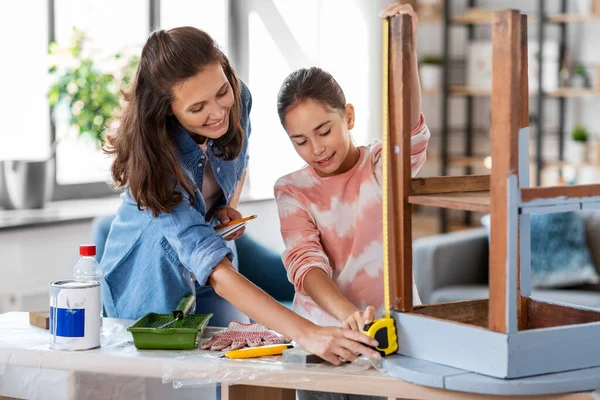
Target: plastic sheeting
{"x":30,"y":369}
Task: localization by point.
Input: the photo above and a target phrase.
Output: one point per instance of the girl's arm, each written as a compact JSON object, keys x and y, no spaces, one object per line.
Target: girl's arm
{"x":307,"y":264}
{"x":327,"y":295}
{"x":330,"y":343}
{"x":415,"y":88}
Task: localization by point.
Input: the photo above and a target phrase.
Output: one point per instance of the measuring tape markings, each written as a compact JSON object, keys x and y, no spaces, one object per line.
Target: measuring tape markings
{"x":384,"y":168}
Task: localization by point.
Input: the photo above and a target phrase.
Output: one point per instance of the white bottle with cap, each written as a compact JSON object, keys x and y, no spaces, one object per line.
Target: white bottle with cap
{"x":88,"y":269}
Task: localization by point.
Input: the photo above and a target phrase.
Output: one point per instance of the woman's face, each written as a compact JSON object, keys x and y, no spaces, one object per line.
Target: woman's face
{"x":203,"y":102}
{"x":321,"y":136}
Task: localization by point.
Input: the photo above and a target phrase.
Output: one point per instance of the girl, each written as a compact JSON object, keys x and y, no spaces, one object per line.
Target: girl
{"x":331,"y":211}
{"x":180,"y":154}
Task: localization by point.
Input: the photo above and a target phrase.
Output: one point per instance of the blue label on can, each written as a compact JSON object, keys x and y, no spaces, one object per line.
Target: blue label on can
{"x":69,"y":322}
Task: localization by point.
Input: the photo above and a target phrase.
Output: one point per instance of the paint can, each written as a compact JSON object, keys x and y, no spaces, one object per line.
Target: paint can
{"x":74,"y":315}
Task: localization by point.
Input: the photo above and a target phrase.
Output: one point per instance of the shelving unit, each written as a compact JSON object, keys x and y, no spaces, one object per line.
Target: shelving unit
{"x":470,"y":20}
{"x":479,"y":17}
{"x":565,"y":18}
{"x":561,"y":95}
{"x":473,"y":91}
{"x":562,"y":92}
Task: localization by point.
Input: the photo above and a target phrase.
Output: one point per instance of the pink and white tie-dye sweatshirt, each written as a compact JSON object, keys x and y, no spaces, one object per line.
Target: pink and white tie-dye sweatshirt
{"x":335,"y":224}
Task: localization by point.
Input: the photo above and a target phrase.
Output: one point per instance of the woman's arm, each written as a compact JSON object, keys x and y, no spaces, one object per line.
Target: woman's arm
{"x":330,"y":343}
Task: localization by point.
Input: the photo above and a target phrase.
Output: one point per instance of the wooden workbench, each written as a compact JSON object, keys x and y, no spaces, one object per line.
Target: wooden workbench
{"x":25,"y":347}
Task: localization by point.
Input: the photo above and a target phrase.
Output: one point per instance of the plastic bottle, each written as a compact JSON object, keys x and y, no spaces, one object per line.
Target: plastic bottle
{"x":88,"y":269}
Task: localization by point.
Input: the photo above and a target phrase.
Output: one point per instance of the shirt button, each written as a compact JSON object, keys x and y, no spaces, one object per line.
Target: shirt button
{"x":202,"y":157}
{"x":218,"y":169}
{"x":199,"y":164}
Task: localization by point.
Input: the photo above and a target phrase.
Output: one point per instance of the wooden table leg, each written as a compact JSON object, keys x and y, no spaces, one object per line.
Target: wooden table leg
{"x":245,"y":392}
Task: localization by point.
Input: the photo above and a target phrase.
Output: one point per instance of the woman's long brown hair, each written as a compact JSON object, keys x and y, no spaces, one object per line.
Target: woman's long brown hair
{"x":146,"y":158}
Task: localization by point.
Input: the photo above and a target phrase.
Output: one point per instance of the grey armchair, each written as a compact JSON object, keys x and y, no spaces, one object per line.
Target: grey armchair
{"x":454,"y":266}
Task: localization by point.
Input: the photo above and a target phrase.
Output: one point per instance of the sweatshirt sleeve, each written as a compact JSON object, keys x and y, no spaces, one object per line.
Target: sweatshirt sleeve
{"x":418,"y":153}
{"x":303,"y":250}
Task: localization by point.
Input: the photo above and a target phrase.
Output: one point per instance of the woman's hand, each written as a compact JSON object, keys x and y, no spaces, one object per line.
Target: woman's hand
{"x":333,"y":344}
{"x":358,"y":319}
{"x":227,"y":214}
{"x":398,"y":9}
{"x":338,"y":345}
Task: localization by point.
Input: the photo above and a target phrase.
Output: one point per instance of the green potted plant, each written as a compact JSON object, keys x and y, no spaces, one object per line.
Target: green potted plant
{"x":579,"y":141}
{"x":91,"y":95}
{"x":580,"y":78}
{"x":431,"y":71}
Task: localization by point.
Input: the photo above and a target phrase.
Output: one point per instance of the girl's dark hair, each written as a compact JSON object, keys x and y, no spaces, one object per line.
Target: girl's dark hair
{"x":146,"y":158}
{"x":309,"y":84}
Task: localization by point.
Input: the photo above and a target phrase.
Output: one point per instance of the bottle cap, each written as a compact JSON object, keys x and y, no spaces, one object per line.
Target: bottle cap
{"x":87,"y":250}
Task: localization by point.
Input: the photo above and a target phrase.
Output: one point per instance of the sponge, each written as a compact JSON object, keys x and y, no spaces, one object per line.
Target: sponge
{"x":298,"y":355}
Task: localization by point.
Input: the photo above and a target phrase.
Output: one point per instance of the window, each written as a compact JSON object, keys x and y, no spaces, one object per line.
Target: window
{"x":78,"y":159}
{"x":265,"y":40}
{"x":339,"y":36}
{"x":23,"y":107}
{"x":209,"y":15}
{"x":82,"y":169}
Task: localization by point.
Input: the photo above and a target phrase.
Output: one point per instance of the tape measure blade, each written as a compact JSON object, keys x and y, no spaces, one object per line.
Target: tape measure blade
{"x":385,"y":165}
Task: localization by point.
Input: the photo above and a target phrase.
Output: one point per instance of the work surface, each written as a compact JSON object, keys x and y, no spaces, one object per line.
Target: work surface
{"x":27,"y":364}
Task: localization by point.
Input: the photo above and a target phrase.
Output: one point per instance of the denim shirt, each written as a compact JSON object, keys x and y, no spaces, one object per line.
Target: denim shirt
{"x":149,"y":262}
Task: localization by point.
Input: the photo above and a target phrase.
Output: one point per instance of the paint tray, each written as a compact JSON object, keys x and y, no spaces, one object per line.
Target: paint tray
{"x":182,"y":332}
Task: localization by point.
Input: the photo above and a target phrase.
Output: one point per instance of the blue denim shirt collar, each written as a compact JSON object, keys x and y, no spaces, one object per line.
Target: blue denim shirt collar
{"x":187,"y":147}
{"x":227,"y":173}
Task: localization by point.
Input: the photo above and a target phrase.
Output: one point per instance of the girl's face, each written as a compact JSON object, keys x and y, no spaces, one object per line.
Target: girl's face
{"x":203,"y":102}
{"x":321,"y":136}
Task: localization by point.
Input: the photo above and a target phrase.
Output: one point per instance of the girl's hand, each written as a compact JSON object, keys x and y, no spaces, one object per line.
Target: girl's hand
{"x":358,"y":319}
{"x":227,"y":214}
{"x":397,"y":9}
{"x":338,"y":345}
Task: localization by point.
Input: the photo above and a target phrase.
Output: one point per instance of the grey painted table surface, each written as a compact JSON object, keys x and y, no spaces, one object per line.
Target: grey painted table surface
{"x":439,"y":376}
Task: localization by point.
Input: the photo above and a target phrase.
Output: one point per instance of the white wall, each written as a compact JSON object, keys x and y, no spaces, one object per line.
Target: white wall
{"x":30,"y":258}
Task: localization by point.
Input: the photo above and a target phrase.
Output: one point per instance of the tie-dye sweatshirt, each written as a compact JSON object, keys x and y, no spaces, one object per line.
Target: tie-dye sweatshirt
{"x":335,"y":224}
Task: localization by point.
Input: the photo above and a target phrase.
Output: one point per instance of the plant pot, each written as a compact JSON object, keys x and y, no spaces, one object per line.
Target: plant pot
{"x":431,"y":76}
{"x":26,"y":184}
{"x":578,"y":82}
{"x":578,"y":152}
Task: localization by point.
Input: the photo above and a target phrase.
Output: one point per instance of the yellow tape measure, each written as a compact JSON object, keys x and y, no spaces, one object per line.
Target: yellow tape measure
{"x":384,"y":330}
{"x":384,"y":167}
